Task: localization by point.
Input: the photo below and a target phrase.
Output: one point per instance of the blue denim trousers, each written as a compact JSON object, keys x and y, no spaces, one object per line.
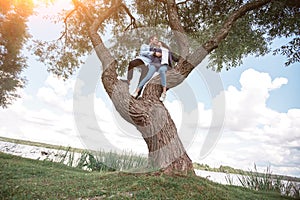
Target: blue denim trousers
{"x":152,"y":69}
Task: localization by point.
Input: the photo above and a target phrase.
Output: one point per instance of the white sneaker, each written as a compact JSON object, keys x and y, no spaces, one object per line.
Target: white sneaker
{"x":134,"y":95}
{"x":162,"y":96}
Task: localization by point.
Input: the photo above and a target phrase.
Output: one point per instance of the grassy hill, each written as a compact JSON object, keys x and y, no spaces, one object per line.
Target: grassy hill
{"x":23,"y":178}
{"x":223,"y":169}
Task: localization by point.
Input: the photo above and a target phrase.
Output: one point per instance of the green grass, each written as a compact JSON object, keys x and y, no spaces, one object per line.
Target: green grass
{"x":32,"y":179}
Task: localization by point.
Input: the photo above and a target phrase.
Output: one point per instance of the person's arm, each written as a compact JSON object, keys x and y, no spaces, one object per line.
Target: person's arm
{"x":157,"y":52}
{"x":145,"y":50}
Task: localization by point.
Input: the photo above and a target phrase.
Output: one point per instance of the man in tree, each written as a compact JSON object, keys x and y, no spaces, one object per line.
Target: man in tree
{"x":142,"y":61}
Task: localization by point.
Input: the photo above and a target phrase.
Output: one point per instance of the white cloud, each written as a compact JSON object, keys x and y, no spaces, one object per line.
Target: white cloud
{"x":53,"y":123}
{"x":253,"y":133}
{"x":278,"y":82}
{"x":55,"y":93}
{"x":246,"y":108}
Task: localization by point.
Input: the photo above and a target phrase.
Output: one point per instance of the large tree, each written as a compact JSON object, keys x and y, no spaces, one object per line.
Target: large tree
{"x":13,"y":36}
{"x":227,"y":30}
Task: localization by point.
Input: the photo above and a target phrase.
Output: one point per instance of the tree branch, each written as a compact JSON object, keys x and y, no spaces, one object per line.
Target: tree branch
{"x":176,"y":26}
{"x":65,"y":33}
{"x":186,"y":66}
{"x":214,"y":42}
{"x":102,"y":52}
{"x":132,"y":18}
{"x":293,"y":3}
{"x":106,"y":14}
{"x":78,"y":4}
{"x":182,"y":2}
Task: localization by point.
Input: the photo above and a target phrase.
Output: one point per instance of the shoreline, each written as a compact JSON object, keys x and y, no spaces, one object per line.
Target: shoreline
{"x":42,"y":151}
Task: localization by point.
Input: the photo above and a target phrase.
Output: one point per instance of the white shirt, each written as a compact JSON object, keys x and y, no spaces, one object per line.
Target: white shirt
{"x":164,"y":56}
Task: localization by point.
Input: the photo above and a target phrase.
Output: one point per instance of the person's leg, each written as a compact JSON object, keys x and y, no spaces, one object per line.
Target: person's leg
{"x":162,"y":72}
{"x":151,"y":71}
{"x":144,"y":71}
{"x":132,"y":64}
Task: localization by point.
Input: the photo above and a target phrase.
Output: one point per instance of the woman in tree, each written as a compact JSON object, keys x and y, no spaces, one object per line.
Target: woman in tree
{"x":161,"y":61}
{"x":142,"y":61}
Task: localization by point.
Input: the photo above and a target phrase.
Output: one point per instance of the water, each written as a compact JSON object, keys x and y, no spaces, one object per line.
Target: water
{"x":219,"y":177}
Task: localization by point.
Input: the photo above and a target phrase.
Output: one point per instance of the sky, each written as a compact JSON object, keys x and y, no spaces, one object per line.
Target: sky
{"x":259,"y":101}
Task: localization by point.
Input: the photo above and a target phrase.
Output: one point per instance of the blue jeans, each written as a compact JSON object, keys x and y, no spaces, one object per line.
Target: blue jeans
{"x":152,"y":69}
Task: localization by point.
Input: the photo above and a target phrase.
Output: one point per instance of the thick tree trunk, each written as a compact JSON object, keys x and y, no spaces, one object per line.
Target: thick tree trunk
{"x":152,"y":119}
{"x":148,"y":114}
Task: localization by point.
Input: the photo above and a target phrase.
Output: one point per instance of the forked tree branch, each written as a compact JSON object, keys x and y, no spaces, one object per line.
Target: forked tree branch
{"x":132,"y":18}
{"x":102,"y":52}
{"x":178,"y":75}
{"x":97,"y":22}
{"x":178,"y":29}
{"x":105,"y":15}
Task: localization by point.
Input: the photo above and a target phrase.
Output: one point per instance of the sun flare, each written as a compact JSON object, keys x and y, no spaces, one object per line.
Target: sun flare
{"x":52,"y":6}
{"x":50,"y":1}
{"x":59,"y":4}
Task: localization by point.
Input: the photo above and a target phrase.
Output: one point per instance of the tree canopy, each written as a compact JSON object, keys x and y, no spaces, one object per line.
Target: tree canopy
{"x":251,"y":34}
{"x":13,"y":36}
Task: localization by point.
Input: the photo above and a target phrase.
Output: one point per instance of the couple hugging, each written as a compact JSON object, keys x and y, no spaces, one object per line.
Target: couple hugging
{"x":154,"y":57}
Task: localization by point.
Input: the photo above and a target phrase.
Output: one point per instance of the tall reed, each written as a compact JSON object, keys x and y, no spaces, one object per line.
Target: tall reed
{"x":268,"y":182}
{"x":101,"y":160}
